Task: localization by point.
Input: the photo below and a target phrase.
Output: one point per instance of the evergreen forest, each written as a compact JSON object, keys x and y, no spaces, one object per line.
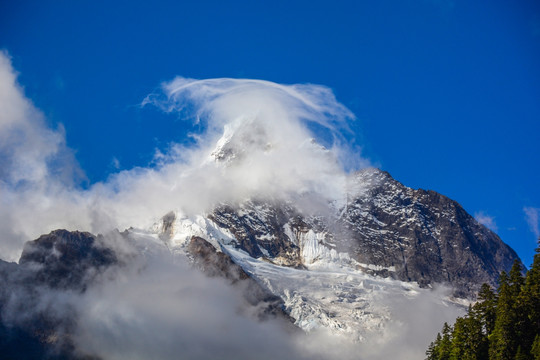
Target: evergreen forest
{"x":504,"y":323}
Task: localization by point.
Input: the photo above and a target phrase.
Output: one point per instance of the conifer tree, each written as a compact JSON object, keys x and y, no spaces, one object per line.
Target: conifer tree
{"x":535,"y":350}
{"x":520,"y":317}
{"x":516,"y":279}
{"x":485,"y":308}
{"x":459,"y":339}
{"x":502,"y":339}
{"x":432,"y":352}
{"x":468,"y":339}
{"x":477,"y":340}
{"x":502,"y":325}
{"x":529,"y":301}
{"x":520,"y":355}
{"x":446,"y":343}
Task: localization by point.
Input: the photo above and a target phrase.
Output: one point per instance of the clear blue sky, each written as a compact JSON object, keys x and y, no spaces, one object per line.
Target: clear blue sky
{"x":447,"y":93}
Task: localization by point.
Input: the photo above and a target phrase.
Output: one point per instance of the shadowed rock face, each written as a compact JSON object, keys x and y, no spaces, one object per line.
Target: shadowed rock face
{"x":213,"y":263}
{"x":219,"y":264}
{"x":65,"y":259}
{"x":32,"y":326}
{"x":396,"y":231}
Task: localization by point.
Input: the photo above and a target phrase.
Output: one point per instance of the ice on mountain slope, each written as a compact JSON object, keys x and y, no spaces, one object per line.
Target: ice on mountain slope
{"x":177,"y":229}
{"x":331,"y":292}
{"x":342,"y":300}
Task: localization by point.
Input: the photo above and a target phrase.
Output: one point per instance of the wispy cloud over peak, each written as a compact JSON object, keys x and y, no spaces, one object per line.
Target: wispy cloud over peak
{"x":225,"y":101}
{"x":261,"y":128}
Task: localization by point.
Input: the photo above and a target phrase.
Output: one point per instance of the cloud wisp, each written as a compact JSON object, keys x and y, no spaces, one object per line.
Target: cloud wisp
{"x":486,"y":220}
{"x":532,"y":216}
{"x":263,"y":131}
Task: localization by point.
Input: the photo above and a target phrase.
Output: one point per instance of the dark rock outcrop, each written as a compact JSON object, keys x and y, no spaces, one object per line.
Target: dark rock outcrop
{"x":215,"y":263}
{"x":259,"y":229}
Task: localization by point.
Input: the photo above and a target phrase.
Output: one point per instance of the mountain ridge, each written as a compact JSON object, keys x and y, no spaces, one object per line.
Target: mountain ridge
{"x":386,"y":228}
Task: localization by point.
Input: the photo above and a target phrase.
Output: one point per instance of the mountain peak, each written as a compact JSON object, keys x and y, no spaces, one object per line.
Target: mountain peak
{"x":245,"y":135}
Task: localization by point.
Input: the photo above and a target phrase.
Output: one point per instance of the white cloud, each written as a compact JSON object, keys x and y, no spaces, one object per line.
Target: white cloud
{"x":486,"y":220}
{"x":167,"y":310}
{"x":31,"y":153}
{"x":532,"y":215}
{"x":115,"y":163}
{"x":274,"y":157}
{"x":36,"y":168}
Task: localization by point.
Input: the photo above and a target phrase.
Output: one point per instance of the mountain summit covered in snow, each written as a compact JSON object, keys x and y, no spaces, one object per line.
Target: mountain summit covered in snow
{"x":256,"y":240}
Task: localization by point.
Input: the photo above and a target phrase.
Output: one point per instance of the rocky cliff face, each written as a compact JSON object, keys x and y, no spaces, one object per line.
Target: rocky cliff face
{"x":425,"y":236}
{"x":382,"y":226}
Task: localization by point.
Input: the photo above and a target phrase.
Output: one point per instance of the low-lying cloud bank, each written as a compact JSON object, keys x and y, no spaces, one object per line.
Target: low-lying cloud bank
{"x":156,"y":306}
{"x":198,"y":318}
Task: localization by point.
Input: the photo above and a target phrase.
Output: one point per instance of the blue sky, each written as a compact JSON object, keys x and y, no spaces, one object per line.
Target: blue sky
{"x":446,"y":93}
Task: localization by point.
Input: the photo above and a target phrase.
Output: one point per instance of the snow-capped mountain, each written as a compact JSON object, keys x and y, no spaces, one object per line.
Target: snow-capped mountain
{"x":351,"y":259}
